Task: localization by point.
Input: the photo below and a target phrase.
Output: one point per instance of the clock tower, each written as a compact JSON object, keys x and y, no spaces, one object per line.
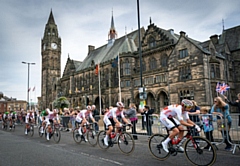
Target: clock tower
{"x":51,"y":62}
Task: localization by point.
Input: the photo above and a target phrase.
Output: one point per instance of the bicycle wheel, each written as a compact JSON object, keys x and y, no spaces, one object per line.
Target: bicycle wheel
{"x":92,"y":137}
{"x":56,"y":135}
{"x":31,"y":131}
{"x":76,"y":136}
{"x":199,"y":151}
{"x":100,"y":140}
{"x":155,"y":146}
{"x":39,"y":131}
{"x":126,"y":143}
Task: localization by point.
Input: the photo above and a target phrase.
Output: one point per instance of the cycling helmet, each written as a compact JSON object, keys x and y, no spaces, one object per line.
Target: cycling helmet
{"x":88,"y":107}
{"x":186,"y":103}
{"x":120,"y":104}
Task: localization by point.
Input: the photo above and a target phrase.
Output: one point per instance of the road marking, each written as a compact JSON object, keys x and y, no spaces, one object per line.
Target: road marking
{"x":104,"y":159}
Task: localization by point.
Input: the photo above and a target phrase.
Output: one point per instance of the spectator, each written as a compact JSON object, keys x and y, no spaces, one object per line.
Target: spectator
{"x":236,"y":104}
{"x":132,"y":115}
{"x":96,"y":116}
{"x":221,"y":109}
{"x":207,"y":125}
{"x":193,"y":115}
{"x":149,"y":119}
{"x":72,"y":119}
{"x":65,"y":119}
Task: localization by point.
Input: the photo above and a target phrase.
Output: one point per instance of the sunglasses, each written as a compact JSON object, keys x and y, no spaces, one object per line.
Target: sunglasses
{"x":188,"y":106}
{"x":215,"y":101}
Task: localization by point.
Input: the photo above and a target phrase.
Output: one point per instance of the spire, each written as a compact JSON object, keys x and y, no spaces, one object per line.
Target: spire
{"x":51,"y":18}
{"x":112,"y":33}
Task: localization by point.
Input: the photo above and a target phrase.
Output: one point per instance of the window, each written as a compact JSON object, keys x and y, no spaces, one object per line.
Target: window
{"x":161,"y":78}
{"x":186,"y":94}
{"x":215,"y":71}
{"x":152,"y":63}
{"x":143,"y":66}
{"x":122,"y":84}
{"x":165,"y":101}
{"x":185,"y":73}
{"x":128,"y":84}
{"x":148,"y":80}
{"x":151,"y":42}
{"x":107,"y":78}
{"x":164,"y":61}
{"x":183,"y":53}
{"x":137,"y":83}
{"x":127,"y":69}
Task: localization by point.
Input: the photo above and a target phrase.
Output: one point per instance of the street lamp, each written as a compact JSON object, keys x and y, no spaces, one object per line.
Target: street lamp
{"x":28,"y":79}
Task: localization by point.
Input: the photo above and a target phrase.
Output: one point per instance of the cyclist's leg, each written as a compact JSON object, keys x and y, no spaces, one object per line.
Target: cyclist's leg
{"x":109,"y":125}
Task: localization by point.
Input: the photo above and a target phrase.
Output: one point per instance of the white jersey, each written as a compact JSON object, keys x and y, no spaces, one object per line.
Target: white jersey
{"x":174,"y":111}
{"x":114,"y":113}
{"x":29,"y":116}
{"x":84,"y":114}
{"x":52,"y":116}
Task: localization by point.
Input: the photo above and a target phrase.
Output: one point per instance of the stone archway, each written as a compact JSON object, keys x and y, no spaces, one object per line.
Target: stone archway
{"x":162,"y":100}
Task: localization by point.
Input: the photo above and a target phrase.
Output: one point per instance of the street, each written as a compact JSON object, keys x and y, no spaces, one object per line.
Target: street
{"x":20,"y":150}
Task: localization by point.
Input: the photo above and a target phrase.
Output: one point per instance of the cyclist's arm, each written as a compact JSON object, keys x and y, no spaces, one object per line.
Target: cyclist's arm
{"x":188,"y":124}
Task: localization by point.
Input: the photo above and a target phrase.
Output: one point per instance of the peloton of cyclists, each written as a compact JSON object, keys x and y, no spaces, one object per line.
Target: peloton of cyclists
{"x":112,"y":118}
{"x":82,"y":119}
{"x":167,"y":117}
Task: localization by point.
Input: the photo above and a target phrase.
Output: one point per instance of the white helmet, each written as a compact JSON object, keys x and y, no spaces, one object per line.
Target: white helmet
{"x":186,"y":103}
{"x":88,"y":107}
{"x":120,"y":104}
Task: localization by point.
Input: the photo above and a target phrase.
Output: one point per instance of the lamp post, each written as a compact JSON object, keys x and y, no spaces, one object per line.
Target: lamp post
{"x":28,"y":80}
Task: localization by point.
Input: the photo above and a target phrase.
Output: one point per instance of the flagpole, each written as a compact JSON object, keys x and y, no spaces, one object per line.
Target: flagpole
{"x":100,"y":104}
{"x":119,"y":81}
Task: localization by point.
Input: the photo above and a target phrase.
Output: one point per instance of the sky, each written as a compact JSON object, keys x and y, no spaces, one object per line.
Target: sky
{"x":87,"y":22}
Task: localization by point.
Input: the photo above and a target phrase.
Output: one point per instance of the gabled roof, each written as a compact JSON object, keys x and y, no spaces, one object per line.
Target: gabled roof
{"x":108,"y":52}
{"x":232,"y":37}
{"x":71,"y":65}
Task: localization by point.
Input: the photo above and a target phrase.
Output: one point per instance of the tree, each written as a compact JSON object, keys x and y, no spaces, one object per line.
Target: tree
{"x":61,"y":103}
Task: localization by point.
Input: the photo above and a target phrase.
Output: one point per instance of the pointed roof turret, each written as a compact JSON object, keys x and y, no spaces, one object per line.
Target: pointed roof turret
{"x":112,"y":33}
{"x":51,"y":18}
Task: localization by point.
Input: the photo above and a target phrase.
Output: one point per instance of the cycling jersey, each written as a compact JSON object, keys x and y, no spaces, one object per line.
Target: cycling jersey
{"x":170,"y":112}
{"x":113,"y":113}
{"x":44,"y":113}
{"x":29,"y":117}
{"x":83,"y":114}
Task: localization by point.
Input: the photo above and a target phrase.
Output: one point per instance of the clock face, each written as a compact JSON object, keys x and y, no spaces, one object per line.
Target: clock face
{"x":54,"y":46}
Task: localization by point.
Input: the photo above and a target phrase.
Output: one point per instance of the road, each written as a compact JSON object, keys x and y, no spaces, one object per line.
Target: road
{"x":16,"y":149}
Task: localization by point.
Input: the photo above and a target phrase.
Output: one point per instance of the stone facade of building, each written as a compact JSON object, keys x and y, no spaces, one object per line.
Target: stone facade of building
{"x":173,"y":67}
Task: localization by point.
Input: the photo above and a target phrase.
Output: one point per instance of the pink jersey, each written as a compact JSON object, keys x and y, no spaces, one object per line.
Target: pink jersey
{"x":174,"y":111}
{"x":52,"y":116}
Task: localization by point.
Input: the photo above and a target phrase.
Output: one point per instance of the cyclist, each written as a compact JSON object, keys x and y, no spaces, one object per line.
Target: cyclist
{"x":82,"y":117}
{"x":5,"y":118}
{"x":51,"y":118}
{"x":112,"y":118}
{"x":167,"y":117}
{"x":12,"y":118}
{"x":29,"y":118}
{"x":43,"y":116}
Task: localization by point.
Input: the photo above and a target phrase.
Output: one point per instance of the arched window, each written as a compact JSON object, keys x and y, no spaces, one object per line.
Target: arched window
{"x":164,"y":60}
{"x":152,"y":63}
{"x":151,"y":42}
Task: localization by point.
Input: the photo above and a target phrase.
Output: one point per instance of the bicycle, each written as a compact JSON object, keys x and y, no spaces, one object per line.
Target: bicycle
{"x":125,"y":141}
{"x":54,"y":132}
{"x":198,"y":150}
{"x":89,"y":132}
{"x":5,"y":125}
{"x":30,"y":129}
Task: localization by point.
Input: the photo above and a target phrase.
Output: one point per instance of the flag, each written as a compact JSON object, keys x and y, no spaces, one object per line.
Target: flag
{"x":223,"y":88}
{"x":96,"y":71}
{"x":115,"y":62}
{"x":29,"y":89}
{"x":218,"y":86}
{"x":33,"y":88}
